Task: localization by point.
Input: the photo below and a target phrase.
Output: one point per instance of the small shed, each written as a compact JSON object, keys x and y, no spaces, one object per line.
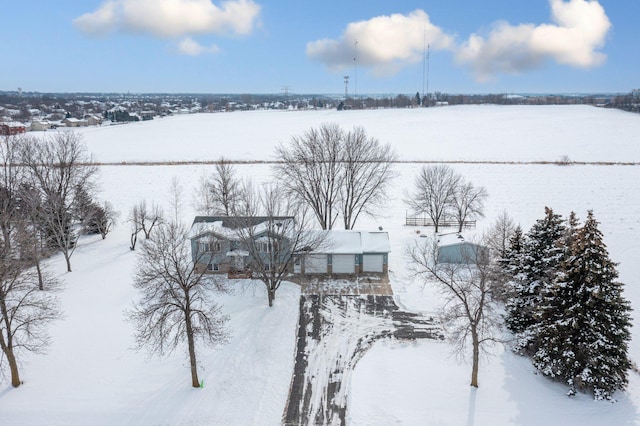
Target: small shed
{"x":453,"y":248}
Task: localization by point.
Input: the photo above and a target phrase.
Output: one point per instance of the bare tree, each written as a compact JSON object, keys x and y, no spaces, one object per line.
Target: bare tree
{"x":31,"y":231}
{"x":58,"y":166}
{"x":175,"y":198}
{"x":435,"y":189}
{"x":367,"y":173}
{"x":100,"y":219}
{"x":499,"y":240}
{"x":220,"y":193}
{"x":499,"y":235}
{"x":467,"y":203}
{"x":272,"y":231}
{"x":310,"y":169}
{"x":11,"y":177}
{"x":25,"y":313}
{"x":176,"y":302}
{"x":467,"y":306}
{"x":144,"y":218}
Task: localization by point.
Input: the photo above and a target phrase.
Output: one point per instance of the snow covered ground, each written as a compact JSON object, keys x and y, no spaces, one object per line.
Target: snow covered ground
{"x":90,"y":375}
{"x":488,"y":132}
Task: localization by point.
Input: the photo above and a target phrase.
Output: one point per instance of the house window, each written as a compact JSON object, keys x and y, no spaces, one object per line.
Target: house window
{"x":213,"y":267}
{"x":267,"y":267}
{"x":267,"y":246}
{"x":209,"y":246}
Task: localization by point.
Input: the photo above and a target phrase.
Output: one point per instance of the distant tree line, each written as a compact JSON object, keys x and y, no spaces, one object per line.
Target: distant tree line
{"x":98,"y":103}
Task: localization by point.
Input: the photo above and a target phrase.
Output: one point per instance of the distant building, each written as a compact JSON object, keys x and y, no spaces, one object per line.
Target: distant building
{"x":74,"y":122}
{"x":452,"y":248}
{"x":12,"y":128}
{"x":93,"y":120}
{"x":40,"y":125}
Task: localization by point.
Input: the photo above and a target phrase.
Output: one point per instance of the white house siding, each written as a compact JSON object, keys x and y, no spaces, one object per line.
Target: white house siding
{"x":372,"y":263}
{"x":343,"y":263}
{"x":316,"y":264}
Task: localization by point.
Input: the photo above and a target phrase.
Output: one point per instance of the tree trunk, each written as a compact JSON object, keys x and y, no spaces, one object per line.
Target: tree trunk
{"x":39,"y":270}
{"x":7,"y":349}
{"x":134,"y":239}
{"x":6,"y":235}
{"x":271,"y":294}
{"x":67,"y":258}
{"x":13,"y":366}
{"x":192,"y":353}
{"x":476,"y":357}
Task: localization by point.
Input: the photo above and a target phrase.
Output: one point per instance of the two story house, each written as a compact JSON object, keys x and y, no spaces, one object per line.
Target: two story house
{"x":227,"y":245}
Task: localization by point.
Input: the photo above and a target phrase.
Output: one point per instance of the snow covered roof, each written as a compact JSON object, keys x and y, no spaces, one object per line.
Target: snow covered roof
{"x":238,"y":253}
{"x":354,"y":242}
{"x":375,"y":242}
{"x":454,"y":239}
{"x":203,"y":228}
{"x":15,"y":124}
{"x":227,"y":227}
{"x":450,"y":239}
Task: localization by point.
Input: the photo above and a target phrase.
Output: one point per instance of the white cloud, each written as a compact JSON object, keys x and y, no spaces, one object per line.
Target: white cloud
{"x":171,"y":18}
{"x":385,"y":43}
{"x":579,"y":28}
{"x":188,"y":46}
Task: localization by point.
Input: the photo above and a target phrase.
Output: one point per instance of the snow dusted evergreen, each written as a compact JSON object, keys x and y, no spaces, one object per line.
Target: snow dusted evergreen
{"x":535,"y":267}
{"x":583,"y":321}
{"x":566,"y":308}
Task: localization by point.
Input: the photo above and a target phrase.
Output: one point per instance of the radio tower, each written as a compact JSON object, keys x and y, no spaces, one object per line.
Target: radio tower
{"x":355,"y":61}
{"x":285,"y":89}
{"x":346,"y":87}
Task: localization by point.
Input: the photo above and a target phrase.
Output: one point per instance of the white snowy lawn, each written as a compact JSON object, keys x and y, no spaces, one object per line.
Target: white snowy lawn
{"x":91,"y":376}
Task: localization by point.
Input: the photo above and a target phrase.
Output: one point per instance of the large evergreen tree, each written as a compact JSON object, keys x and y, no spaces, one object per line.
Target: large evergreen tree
{"x":583,"y":325}
{"x":537,"y":266}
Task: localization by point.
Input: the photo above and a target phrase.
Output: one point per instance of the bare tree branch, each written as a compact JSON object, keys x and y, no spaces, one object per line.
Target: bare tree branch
{"x":176,"y":303}
{"x":310,"y":169}
{"x":25,"y":313}
{"x":467,"y":306}
{"x":435,"y":190}
{"x":367,"y":173}
{"x":58,"y":166}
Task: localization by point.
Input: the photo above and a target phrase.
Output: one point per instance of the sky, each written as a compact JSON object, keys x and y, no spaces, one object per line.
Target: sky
{"x":302,"y":46}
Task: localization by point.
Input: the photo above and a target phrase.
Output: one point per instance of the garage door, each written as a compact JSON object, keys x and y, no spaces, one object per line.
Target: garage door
{"x":316,"y":264}
{"x":372,"y":263}
{"x":343,"y":263}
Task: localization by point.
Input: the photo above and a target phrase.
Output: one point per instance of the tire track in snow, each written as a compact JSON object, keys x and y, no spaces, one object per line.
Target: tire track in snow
{"x":334,"y":333}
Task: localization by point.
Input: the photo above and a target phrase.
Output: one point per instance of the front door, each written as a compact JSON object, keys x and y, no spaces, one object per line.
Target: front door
{"x":238,"y":263}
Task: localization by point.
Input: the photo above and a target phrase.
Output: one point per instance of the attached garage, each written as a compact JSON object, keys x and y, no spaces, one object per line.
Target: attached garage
{"x":315,"y":264}
{"x":347,"y":252}
{"x":373,"y":263}
{"x":343,"y":263}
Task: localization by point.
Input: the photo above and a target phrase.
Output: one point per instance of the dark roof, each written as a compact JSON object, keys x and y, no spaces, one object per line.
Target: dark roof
{"x":233,"y":222}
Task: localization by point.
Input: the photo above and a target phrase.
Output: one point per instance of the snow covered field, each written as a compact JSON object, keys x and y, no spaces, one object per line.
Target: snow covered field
{"x":90,"y":376}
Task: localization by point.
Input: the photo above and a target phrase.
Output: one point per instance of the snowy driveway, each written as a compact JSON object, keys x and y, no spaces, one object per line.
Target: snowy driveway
{"x":334,"y":332}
